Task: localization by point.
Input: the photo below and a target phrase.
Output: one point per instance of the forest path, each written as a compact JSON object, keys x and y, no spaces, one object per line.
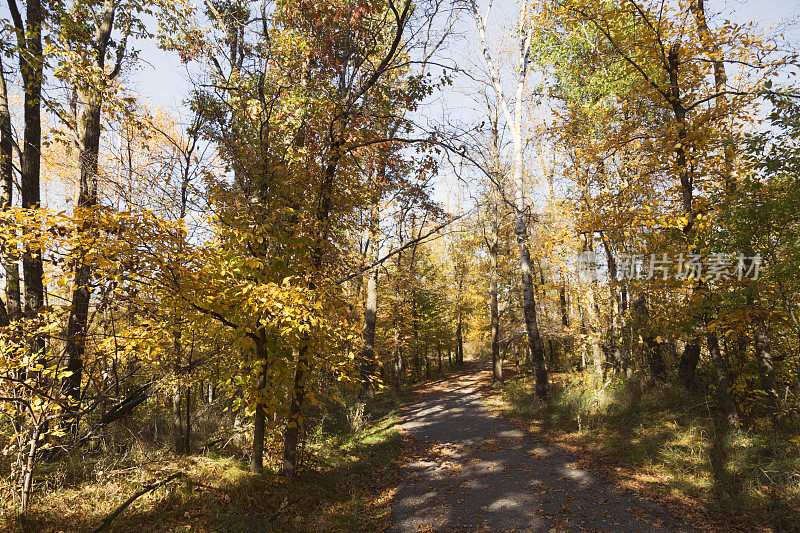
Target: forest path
{"x":466,"y":469}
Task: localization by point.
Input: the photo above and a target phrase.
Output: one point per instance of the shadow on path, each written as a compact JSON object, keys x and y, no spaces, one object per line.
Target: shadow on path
{"x":469,"y":470}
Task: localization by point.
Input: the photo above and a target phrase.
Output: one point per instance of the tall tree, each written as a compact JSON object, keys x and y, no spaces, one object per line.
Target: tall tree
{"x":31,"y":65}
{"x":13,"y":302}
{"x":91,"y":88}
{"x":524,"y":34}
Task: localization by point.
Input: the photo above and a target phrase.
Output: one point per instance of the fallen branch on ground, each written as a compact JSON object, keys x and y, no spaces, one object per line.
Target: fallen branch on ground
{"x":282,"y":508}
{"x":141,"y":492}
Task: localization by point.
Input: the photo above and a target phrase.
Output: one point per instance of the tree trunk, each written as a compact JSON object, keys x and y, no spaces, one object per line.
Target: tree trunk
{"x":294,"y":420}
{"x":260,"y":416}
{"x":13,"y":298}
{"x":652,"y":348}
{"x":567,"y":338}
{"x":723,"y":380}
{"x":621,"y":360}
{"x":303,"y":369}
{"x":398,"y":349}
{"x":459,"y":343}
{"x":593,"y":314}
{"x":27,"y":471}
{"x":697,"y":7}
{"x":514,"y":122}
{"x":762,"y":348}
{"x":31,"y":61}
{"x":177,"y":421}
{"x":497,"y":362}
{"x":398,"y":354}
{"x":712,"y":49}
{"x":687,"y":369}
{"x":529,"y":310}
{"x":414,"y":314}
{"x":371,"y":307}
{"x":89,"y":130}
{"x":187,"y":426}
{"x":761,"y":344}
{"x":593,"y":329}
{"x":764,"y":358}
{"x":584,"y":331}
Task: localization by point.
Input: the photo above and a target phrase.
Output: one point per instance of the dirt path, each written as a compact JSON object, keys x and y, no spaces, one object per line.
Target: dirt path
{"x":468,"y":470}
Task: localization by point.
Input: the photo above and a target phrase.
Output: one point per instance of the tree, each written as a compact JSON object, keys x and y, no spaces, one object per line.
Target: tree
{"x":522,"y":210}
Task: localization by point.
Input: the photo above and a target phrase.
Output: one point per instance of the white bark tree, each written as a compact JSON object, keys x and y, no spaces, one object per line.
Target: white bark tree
{"x":514,"y":119}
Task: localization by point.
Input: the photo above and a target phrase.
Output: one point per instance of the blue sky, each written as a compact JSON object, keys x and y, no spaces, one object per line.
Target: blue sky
{"x":162,"y":79}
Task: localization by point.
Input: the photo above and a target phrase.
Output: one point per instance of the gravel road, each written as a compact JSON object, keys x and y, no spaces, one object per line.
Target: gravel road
{"x":467,"y":469}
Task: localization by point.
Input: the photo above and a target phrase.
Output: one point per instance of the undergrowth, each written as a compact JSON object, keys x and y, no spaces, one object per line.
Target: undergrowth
{"x":346,"y":485}
{"x":671,"y":441}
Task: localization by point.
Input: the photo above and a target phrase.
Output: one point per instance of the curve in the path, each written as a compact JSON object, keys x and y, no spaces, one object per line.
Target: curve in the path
{"x":469,"y":470}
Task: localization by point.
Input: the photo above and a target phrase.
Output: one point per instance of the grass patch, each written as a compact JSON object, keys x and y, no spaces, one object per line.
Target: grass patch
{"x":667,"y":442}
{"x":347,"y":485}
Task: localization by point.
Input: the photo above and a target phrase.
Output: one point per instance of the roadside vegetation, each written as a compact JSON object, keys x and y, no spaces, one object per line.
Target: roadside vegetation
{"x":346,"y":484}
{"x":668,"y":443}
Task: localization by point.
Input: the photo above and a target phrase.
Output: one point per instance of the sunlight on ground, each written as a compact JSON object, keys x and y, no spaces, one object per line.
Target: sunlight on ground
{"x":659,"y":443}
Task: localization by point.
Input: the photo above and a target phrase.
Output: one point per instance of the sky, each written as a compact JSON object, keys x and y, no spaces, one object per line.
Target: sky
{"x":162,"y":80}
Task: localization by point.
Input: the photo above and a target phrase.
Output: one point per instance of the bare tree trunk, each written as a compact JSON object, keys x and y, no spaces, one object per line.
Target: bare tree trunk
{"x":497,"y":362}
{"x":687,"y":369}
{"x":414,"y":314}
{"x":652,"y":348}
{"x":553,"y":355}
{"x":762,"y":347}
{"x":27,"y":472}
{"x":697,"y":7}
{"x":427,"y":363}
{"x":764,"y":358}
{"x":260,"y":416}
{"x":514,"y":122}
{"x":593,"y":317}
{"x":89,"y":131}
{"x":621,"y":359}
{"x":371,"y":307}
{"x":29,"y":42}
{"x":584,"y":331}
{"x":187,"y":428}
{"x":13,"y":298}
{"x":761,"y":344}
{"x":398,"y":349}
{"x":567,"y":339}
{"x":291,"y":454}
{"x":292,"y":433}
{"x":459,"y":343}
{"x":723,"y":379}
{"x":177,"y":421}
{"x":529,"y":311}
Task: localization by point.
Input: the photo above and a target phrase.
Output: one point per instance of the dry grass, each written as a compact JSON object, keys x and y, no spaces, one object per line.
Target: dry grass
{"x":667,"y":443}
{"x":346,"y":486}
